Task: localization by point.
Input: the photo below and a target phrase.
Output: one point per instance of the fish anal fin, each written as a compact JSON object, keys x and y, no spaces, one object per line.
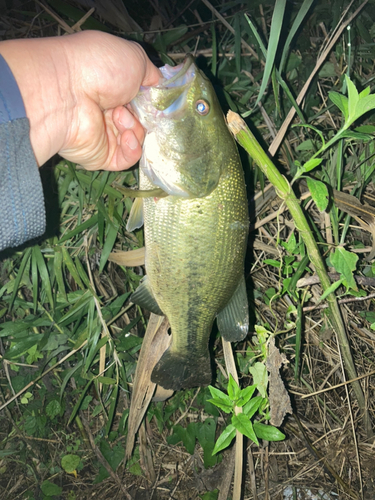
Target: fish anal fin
{"x":144,"y":297}
{"x":233,"y":320}
{"x":135,"y":220}
{"x":176,"y":371}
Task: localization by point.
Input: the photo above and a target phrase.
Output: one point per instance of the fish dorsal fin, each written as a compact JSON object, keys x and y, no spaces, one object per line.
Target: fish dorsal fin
{"x":144,"y":297}
{"x":233,"y":320}
{"x":135,"y":220}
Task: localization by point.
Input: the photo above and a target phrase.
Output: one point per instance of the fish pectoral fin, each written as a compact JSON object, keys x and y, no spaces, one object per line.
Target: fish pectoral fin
{"x":140,"y":193}
{"x":135,"y":220}
{"x":176,"y":371}
{"x":144,"y":297}
{"x":233,"y":320}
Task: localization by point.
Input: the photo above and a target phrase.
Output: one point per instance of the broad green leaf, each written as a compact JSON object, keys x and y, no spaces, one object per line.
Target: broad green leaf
{"x":245,"y":395}
{"x":233,"y":389}
{"x":268,"y":432}
{"x":364,"y":105}
{"x":242,"y":423}
{"x":260,"y":378}
{"x":106,"y":380}
{"x":353,"y":99}
{"x":252,"y":406}
{"x":108,"y":244}
{"x":319,"y":193}
{"x":53,"y":408}
{"x":225,"y":438}
{"x":70,"y":463}
{"x":206,"y":436}
{"x":220,"y":399}
{"x":345,"y":263}
{"x":341,"y":102}
{"x":50,"y":489}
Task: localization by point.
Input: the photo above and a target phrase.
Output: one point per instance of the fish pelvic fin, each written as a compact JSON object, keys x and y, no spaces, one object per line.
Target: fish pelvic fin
{"x":177,"y":371}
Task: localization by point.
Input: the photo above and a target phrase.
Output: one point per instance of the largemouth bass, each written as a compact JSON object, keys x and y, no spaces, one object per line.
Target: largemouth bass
{"x":196,"y":232}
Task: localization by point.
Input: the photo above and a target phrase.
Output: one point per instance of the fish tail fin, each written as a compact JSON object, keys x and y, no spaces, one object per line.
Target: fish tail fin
{"x":176,"y":371}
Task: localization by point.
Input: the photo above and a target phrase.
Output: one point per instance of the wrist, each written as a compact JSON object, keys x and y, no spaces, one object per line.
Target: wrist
{"x":41,"y":70}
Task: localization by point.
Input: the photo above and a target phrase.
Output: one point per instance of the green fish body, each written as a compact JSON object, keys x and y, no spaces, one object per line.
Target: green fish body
{"x":195,"y":237}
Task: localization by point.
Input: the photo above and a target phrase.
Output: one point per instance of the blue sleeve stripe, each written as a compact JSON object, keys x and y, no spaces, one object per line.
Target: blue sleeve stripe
{"x":11,"y":103}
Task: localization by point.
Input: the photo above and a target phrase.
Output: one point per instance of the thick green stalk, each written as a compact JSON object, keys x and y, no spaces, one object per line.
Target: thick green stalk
{"x":283,"y":189}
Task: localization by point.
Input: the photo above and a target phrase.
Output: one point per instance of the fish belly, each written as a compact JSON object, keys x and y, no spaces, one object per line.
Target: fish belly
{"x":194,"y":261}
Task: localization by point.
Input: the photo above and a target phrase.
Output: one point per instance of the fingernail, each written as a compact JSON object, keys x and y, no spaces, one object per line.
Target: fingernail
{"x":127,"y":120}
{"x":132,"y":142}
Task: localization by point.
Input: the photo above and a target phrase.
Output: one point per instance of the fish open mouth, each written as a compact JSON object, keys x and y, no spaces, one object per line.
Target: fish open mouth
{"x":177,"y":76}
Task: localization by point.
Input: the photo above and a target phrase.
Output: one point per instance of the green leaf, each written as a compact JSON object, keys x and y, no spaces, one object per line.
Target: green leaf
{"x":260,"y":378}
{"x":220,"y":399}
{"x":233,"y":389}
{"x":353,"y":99}
{"x":242,"y":423}
{"x":43,"y":272}
{"x":206,"y":436}
{"x":50,"y":489}
{"x":311,"y":164}
{"x":274,"y":39}
{"x":106,"y":380}
{"x":364,"y":105}
{"x":341,"y":102}
{"x":22,"y":345}
{"x":252,"y":406}
{"x":70,"y":463}
{"x":319,"y":193}
{"x":17,"y":281}
{"x":331,"y":289}
{"x":268,"y":432}
{"x":345,"y":263}
{"x":245,"y":395}
{"x":53,"y":408}
{"x":225,"y":438}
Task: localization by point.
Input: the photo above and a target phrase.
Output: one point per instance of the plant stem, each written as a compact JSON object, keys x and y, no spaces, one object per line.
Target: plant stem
{"x":283,"y":189}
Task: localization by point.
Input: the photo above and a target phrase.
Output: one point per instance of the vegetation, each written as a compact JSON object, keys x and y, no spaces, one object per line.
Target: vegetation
{"x":301,"y":76}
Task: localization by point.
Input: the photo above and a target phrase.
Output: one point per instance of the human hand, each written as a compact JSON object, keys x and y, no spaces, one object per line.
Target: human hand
{"x":74,"y":89}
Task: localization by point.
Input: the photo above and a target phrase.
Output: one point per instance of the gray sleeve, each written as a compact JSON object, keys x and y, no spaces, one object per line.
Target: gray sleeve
{"x":22,"y":214}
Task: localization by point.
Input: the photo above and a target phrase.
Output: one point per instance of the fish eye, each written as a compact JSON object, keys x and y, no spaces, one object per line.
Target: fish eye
{"x":202,"y":107}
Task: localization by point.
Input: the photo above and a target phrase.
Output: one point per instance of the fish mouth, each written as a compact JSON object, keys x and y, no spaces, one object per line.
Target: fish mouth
{"x":177,"y":76}
{"x":168,"y":96}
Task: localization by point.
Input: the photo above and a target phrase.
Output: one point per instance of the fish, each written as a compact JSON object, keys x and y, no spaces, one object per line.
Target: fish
{"x":195,"y":226}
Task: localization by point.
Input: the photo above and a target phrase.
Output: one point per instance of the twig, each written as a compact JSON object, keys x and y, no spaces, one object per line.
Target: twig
{"x":231,"y":368}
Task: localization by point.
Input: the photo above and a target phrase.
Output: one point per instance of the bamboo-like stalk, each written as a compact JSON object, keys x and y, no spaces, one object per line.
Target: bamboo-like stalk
{"x":283,"y":189}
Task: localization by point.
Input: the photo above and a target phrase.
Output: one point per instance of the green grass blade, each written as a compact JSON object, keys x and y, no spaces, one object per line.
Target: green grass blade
{"x":44,"y":274}
{"x":68,"y":262}
{"x":17,"y":281}
{"x":34,"y":280}
{"x":293,"y":30}
{"x":277,"y":21}
{"x":58,"y":263}
{"x":91,"y":221}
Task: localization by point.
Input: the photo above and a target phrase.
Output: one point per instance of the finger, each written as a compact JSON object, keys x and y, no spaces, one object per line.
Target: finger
{"x":125,"y":120}
{"x":127,"y":153}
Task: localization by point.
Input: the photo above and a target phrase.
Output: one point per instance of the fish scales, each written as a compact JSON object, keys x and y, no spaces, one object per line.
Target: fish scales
{"x":194,"y":259}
